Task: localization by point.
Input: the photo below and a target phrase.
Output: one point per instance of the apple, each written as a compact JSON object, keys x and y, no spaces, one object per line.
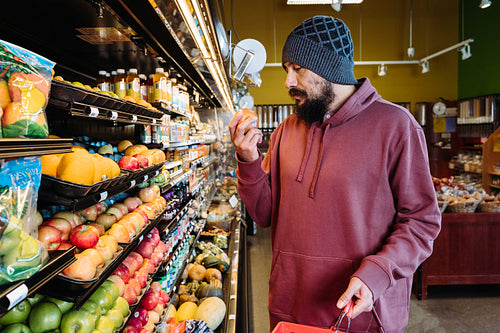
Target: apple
{"x":17,"y":314}
{"x":143,"y":160}
{"x":145,"y":249}
{"x":115,"y":211}
{"x":89,"y":214}
{"x":36,"y":298}
{"x":116,"y":316}
{"x":64,"y":246}
{"x":44,"y":316}
{"x":154,"y":316}
{"x":121,"y":206}
{"x":136,"y":219}
{"x":95,"y":256}
{"x":137,"y":257}
{"x":130,"y":295}
{"x":77,"y":321}
{"x":50,"y":237}
{"x":122,"y":305}
{"x":63,"y":225}
{"x":93,"y":308}
{"x":130,"y":329}
{"x":64,"y":306}
{"x":83,"y":268}
{"x":135,"y":322}
{"x":164,"y":298}
{"x":156,"y":287}
{"x":129,"y":226}
{"x":141,"y":277}
{"x":150,"y":326}
{"x":128,"y":163}
{"x":155,"y":238}
{"x":159,"y":307}
{"x":134,"y":284}
{"x":84,"y":236}
{"x":106,"y":220}
{"x":98,"y":226}
{"x":73,"y":218}
{"x":132,"y":203}
{"x":103,"y":298}
{"x":147,"y":194}
{"x":141,"y":314}
{"x":16,"y":328}
{"x":143,"y":214}
{"x":149,"y":301}
{"x":105,"y":324}
{"x":156,"y":257}
{"x":132,"y":264}
{"x":101,"y":207}
{"x":148,"y":266}
{"x":123,"y":272}
{"x":148,"y":210}
{"x":119,"y":232}
{"x":118,"y":282}
{"x":107,"y":245}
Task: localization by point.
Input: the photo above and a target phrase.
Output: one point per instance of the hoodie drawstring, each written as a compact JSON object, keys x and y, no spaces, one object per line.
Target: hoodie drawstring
{"x":305,"y":159}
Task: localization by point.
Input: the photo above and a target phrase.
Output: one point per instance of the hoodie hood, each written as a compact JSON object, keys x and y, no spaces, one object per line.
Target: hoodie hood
{"x":362,"y":98}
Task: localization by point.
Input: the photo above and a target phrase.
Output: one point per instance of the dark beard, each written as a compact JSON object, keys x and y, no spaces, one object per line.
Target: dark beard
{"x":314,"y":109}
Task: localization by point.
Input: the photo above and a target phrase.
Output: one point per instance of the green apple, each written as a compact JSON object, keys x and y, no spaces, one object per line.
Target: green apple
{"x":122,"y":305}
{"x":102,"y":297}
{"x":16,"y":328}
{"x":17,"y":314}
{"x":112,"y":288}
{"x":64,"y":306}
{"x":116,"y":316}
{"x":36,"y":298}
{"x":77,"y":321}
{"x":93,"y":308}
{"x":44,"y":316}
{"x":105,"y":324}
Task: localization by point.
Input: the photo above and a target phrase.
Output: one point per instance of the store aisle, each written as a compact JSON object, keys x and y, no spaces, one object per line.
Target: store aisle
{"x":448,"y":309}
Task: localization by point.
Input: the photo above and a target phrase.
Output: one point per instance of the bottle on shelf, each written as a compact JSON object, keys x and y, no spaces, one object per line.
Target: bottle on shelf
{"x":112,"y":81}
{"x":151,"y":89}
{"x":103,"y":81}
{"x":120,"y":84}
{"x":144,"y":87}
{"x":175,"y":94}
{"x":160,"y":85}
{"x":133,"y":84}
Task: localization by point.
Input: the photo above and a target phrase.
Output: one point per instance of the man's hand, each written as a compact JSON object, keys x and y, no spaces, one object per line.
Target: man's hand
{"x":363,"y":295}
{"x":245,"y":143}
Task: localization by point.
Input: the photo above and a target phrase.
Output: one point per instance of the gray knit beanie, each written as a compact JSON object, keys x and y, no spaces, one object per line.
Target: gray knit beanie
{"x":323,"y":45}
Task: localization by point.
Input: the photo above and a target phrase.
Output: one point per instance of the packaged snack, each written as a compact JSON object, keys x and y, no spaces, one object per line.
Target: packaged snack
{"x":21,"y":254}
{"x":25,"y":79}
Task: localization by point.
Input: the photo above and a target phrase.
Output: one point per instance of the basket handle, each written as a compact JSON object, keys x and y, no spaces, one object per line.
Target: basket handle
{"x":347,"y":311}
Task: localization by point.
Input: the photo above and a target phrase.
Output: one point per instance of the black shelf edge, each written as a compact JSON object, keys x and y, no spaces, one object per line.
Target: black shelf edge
{"x":15,"y":147}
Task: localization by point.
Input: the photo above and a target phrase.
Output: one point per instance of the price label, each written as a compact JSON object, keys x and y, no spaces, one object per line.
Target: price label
{"x":94,"y":112}
{"x":17,"y":295}
{"x":146,"y":177}
{"x":114,"y":115}
{"x":157,"y":173}
{"x":141,"y":238}
{"x":132,"y":183}
{"x":103,"y":195}
{"x":154,"y":121}
{"x":134,"y":118}
{"x":233,"y":201}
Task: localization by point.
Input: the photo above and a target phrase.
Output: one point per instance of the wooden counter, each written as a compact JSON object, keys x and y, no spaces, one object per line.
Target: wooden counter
{"x":466,"y":251}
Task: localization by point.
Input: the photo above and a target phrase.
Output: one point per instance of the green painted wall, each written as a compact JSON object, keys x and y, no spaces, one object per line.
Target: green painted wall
{"x":480,"y":74}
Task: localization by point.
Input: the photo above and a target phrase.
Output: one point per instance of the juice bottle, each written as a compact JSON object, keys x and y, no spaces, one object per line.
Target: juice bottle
{"x":169,"y":90}
{"x":133,"y":83}
{"x":160,"y":85}
{"x":144,"y":87}
{"x":151,"y":89}
{"x":120,"y":83}
{"x":112,"y":81}
{"x":103,"y":81}
{"x":175,"y":94}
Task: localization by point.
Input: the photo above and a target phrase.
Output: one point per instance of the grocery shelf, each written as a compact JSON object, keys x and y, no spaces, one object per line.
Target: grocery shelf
{"x":168,"y":109}
{"x":15,"y":147}
{"x":13,"y":293}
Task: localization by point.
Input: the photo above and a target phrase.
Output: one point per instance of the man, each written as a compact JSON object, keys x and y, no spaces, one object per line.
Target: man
{"x":345,"y":187}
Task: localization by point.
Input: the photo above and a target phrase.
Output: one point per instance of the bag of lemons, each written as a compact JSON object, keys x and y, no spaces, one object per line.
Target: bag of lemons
{"x":25,"y":79}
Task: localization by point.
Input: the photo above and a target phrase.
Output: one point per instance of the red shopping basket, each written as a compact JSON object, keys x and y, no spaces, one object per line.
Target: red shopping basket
{"x":285,"y":327}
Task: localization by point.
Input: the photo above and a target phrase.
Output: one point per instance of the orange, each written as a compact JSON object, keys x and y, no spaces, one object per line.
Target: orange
{"x":77,"y":167}
{"x":77,"y":147}
{"x":99,"y":167}
{"x":112,"y":168}
{"x":50,"y":163}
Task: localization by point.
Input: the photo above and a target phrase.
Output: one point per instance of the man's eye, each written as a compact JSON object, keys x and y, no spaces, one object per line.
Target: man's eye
{"x":297,"y":68}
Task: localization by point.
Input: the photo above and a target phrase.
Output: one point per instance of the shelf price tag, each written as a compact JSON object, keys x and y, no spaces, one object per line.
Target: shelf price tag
{"x":114,"y":115}
{"x":103,"y":195}
{"x":233,"y":201}
{"x":134,"y":118}
{"x":141,"y":238}
{"x":154,"y":121}
{"x":94,"y":112}
{"x":132,"y":183}
{"x":17,"y":295}
{"x":146,"y":177}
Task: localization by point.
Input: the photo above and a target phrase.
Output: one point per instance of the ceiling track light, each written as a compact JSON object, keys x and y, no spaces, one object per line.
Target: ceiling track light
{"x":425,"y":66}
{"x":484,"y":4}
{"x":382,"y":70}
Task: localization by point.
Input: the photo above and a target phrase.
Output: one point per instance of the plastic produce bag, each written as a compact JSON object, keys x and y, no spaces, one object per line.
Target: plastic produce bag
{"x":25,"y":79}
{"x":21,"y":254}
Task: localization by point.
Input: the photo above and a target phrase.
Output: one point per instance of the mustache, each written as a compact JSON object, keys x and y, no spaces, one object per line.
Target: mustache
{"x":297,"y":92}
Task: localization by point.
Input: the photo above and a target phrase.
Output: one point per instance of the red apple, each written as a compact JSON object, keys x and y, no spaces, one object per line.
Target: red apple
{"x":148,"y":266}
{"x":159,"y":307}
{"x":113,"y":210}
{"x":107,"y":246}
{"x":155,"y":238}
{"x":84,"y":236}
{"x":147,"y":194}
{"x":132,"y":264}
{"x":123,"y":272}
{"x":83,"y":268}
{"x":145,"y":249}
{"x":137,"y":257}
{"x":119,"y":283}
{"x":149,"y":301}
{"x":50,"y":237}
{"x":89,"y":214}
{"x":134,"y":284}
{"x":130,"y":295}
{"x":65,"y":246}
{"x":154,"y":317}
{"x":106,"y":220}
{"x":164,"y":297}
{"x":142,"y":277}
{"x":131,"y":329}
{"x":98,"y":226}
{"x":155,"y":231}
{"x":73,"y":218}
{"x":149,"y":327}
{"x":63,"y":225}
{"x":141,"y":314}
{"x":132,"y":203}
{"x":143,"y":214}
{"x":101,"y":207}
{"x":143,"y":160}
{"x":128,"y":163}
{"x":156,"y":257}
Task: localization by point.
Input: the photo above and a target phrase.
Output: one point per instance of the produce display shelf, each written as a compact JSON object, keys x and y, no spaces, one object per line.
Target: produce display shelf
{"x":175,"y":181}
{"x":167,"y":109}
{"x":79,"y":293}
{"x":76,"y":204}
{"x":15,"y":147}
{"x":13,"y":293}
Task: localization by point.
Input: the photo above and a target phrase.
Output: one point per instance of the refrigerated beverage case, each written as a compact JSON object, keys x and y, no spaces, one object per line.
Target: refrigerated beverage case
{"x":133,"y":84}
{"x":160,"y":85}
{"x":103,"y":81}
{"x":120,"y":83}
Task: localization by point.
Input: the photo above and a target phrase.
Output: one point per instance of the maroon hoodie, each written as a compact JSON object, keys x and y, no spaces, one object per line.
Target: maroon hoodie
{"x":352,"y":196}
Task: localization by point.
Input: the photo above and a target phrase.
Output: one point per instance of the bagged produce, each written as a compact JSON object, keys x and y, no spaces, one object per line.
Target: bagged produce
{"x":21,"y":254}
{"x":25,"y":79}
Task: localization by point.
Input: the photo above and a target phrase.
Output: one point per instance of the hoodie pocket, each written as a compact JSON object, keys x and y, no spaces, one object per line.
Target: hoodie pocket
{"x":305,"y":289}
